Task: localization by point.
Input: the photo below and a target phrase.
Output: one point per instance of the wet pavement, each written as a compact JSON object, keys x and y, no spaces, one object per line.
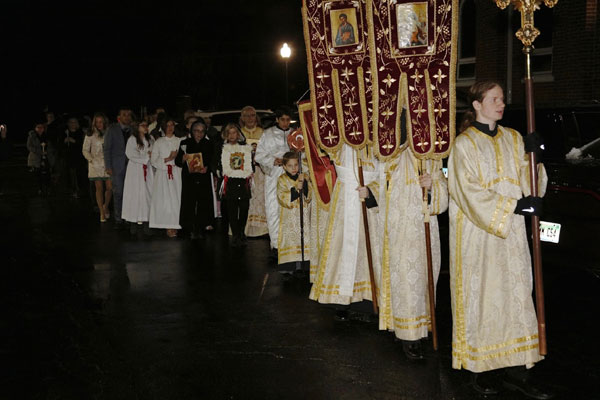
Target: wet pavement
{"x":94,"y":313}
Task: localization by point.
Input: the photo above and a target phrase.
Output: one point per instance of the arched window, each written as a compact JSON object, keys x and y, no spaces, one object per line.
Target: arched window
{"x":466,"y":43}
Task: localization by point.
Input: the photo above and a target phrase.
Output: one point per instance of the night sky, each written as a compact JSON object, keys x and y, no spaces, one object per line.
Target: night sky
{"x":96,"y":55}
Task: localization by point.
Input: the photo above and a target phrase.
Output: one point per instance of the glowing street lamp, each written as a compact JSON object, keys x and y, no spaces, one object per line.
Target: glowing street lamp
{"x":286,"y":52}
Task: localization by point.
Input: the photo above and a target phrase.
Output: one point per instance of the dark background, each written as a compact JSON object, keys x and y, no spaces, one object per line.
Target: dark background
{"x":97,"y":55}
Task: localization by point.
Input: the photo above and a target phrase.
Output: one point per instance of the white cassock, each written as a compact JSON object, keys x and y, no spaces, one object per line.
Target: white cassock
{"x":272,"y":144}
{"x":166,"y":192}
{"x":404,"y":304}
{"x":139,"y":180}
{"x":343,"y":272}
{"x":494,"y":324}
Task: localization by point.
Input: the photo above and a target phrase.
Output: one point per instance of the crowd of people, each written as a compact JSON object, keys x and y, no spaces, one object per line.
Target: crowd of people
{"x":164,"y":175}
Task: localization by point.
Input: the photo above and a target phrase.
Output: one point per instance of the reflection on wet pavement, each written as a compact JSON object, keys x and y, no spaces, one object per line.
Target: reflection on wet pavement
{"x":91,"y":312}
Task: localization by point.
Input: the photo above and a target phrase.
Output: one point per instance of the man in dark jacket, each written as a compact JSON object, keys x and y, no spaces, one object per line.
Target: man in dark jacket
{"x":115,"y":160}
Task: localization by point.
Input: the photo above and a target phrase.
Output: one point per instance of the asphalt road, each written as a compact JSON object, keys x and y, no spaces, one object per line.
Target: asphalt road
{"x":94,"y":313}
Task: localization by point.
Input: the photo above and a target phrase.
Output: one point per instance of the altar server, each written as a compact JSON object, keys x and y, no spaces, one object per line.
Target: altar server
{"x":166,"y":193}
{"x":494,"y":320}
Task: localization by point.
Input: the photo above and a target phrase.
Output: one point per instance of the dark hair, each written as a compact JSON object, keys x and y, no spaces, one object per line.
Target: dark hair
{"x":290,"y":155}
{"x":135,"y":133}
{"x":163,"y":125}
{"x":477,"y":92}
{"x":283,"y":110}
{"x":342,"y":15}
{"x":124,"y":108}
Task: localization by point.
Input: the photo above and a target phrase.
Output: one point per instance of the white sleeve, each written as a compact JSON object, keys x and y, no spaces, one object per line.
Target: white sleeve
{"x":87,"y":148}
{"x":264,"y":154}
{"x":134,"y":154}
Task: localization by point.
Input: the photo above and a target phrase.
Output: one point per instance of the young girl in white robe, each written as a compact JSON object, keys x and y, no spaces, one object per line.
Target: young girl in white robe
{"x":166,"y":192}
{"x":139,"y":177}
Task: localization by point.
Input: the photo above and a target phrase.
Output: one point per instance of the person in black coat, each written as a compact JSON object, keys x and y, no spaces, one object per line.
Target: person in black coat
{"x":5,"y":154}
{"x":71,"y":143}
{"x":196,"y":193}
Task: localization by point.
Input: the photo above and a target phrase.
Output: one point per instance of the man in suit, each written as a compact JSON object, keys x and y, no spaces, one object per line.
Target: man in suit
{"x":115,"y":160}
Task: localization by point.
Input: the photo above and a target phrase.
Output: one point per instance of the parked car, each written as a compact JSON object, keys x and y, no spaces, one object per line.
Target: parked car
{"x":221,"y":118}
{"x":572,"y":161}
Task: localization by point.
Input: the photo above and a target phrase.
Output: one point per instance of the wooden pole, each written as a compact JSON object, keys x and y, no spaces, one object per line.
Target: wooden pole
{"x":430,"y":283}
{"x":361,"y":180}
{"x":301,"y":208}
{"x":535,"y":220}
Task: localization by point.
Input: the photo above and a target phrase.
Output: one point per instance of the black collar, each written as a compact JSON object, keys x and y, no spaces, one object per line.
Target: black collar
{"x":485,"y":128}
{"x":294,"y":177}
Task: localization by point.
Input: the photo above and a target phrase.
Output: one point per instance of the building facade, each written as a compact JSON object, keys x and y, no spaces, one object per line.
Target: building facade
{"x":566,"y":59}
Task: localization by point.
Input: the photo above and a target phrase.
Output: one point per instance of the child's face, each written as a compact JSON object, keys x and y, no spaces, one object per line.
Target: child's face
{"x":291,"y":167}
{"x":99,"y":123}
{"x":232,"y":136}
{"x":143,"y":128}
{"x":39,"y":129}
{"x":72,"y":125}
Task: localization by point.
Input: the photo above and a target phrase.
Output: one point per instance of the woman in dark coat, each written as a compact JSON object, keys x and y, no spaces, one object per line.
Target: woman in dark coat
{"x":196,"y":193}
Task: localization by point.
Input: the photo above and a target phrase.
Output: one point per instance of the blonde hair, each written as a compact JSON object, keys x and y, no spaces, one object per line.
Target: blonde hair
{"x":228,"y":127}
{"x":93,"y":127}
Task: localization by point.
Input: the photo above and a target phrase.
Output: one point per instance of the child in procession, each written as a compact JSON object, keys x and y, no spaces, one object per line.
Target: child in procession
{"x":291,"y":187}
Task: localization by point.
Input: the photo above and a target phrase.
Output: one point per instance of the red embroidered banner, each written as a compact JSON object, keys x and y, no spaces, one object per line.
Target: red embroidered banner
{"x":335,"y":32}
{"x":322,"y":171}
{"x":412,"y":47}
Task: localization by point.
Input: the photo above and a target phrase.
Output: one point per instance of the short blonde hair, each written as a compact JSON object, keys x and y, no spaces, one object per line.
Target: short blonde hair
{"x":229,"y":127}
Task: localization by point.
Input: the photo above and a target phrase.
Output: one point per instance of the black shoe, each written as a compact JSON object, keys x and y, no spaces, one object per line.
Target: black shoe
{"x":133,"y":229}
{"x":483,"y":383}
{"x":527,"y":387}
{"x":412,"y":349}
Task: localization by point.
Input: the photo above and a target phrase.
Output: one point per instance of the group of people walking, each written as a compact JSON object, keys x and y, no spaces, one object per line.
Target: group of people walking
{"x":172,"y":182}
{"x":487,"y":195}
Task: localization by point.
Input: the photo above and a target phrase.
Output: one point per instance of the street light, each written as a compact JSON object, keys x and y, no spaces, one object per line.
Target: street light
{"x":286,"y":52}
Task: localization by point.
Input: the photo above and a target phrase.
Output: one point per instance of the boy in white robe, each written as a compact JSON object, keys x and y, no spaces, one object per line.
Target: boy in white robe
{"x":269,"y":152}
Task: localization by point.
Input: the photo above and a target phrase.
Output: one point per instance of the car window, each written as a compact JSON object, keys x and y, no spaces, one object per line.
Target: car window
{"x":589,"y":130}
{"x":225,"y":118}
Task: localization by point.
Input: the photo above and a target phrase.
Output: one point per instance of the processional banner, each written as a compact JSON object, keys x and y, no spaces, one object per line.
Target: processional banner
{"x":336,"y":34}
{"x":322,"y":171}
{"x":368,"y":60}
{"x":412,"y":46}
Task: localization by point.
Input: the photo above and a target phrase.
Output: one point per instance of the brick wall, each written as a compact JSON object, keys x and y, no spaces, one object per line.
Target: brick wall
{"x":575,"y":74}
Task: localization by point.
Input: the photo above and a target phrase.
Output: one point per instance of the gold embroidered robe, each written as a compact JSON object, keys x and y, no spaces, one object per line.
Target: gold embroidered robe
{"x":319,"y":215}
{"x":404,"y":305}
{"x":289,"y":247}
{"x":494,"y":320}
{"x":257,"y":216}
{"x":343,"y":273}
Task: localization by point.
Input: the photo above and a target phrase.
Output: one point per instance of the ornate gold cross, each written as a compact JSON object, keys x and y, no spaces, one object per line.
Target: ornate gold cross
{"x":528,"y":32}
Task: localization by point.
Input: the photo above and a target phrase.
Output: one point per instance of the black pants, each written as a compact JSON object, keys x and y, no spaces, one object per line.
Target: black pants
{"x":196,"y":206}
{"x":237,"y":213}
